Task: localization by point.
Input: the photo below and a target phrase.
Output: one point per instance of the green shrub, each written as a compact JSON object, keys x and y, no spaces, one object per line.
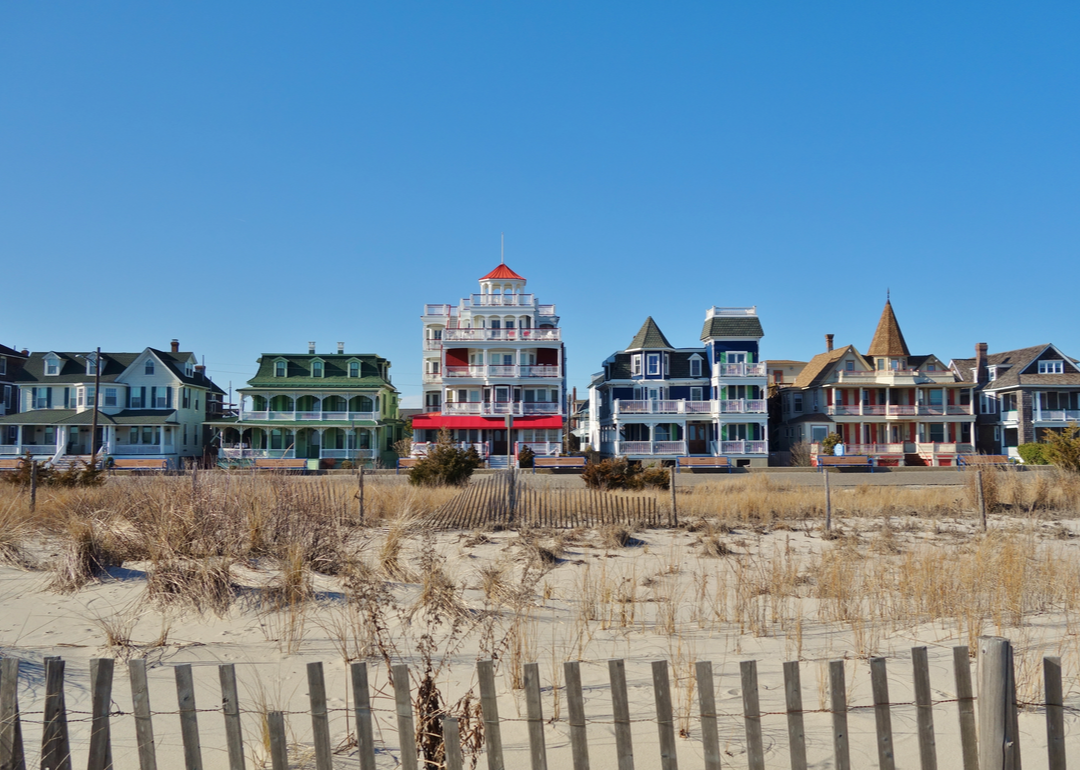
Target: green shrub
{"x":78,"y":474}
{"x":1033,"y":454}
{"x":620,"y":473}
{"x":828,"y":444}
{"x":445,"y":465}
{"x":1063,"y":449}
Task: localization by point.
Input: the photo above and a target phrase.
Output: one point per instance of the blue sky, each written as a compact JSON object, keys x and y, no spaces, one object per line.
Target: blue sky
{"x":251,"y":176}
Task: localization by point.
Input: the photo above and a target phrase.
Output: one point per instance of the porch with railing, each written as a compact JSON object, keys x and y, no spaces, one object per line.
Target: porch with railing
{"x":489,"y":335}
{"x":21,"y":449}
{"x":670,"y":406}
{"x":421,"y":448}
{"x":539,"y":448}
{"x":650,"y":448}
{"x":271,"y":416}
{"x":898,"y":410}
{"x":1056,"y":415}
{"x":742,"y":447}
{"x":500,"y":409}
{"x":501,"y":371}
{"x":741,"y":370}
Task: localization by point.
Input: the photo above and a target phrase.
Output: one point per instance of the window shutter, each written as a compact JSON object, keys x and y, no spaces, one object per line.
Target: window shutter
{"x":142,"y":397}
{"x":48,"y":398}
{"x":127,"y":404}
{"x":153,"y":396}
{"x":33,"y":399}
{"x":67,"y":398}
{"x":168,"y":398}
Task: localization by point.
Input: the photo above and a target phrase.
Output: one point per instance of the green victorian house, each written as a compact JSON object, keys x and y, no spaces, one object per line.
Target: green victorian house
{"x":323,"y":408}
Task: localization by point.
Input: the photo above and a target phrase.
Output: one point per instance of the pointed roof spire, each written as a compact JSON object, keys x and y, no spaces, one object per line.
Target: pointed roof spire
{"x":650,"y":337}
{"x":502,"y":271}
{"x":888,"y":339}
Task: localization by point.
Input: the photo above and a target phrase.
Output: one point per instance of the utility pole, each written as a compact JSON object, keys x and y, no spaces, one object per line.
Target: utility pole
{"x":94,"y":417}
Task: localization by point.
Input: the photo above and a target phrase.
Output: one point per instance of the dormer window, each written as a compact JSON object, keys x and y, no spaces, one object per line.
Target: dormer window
{"x":91,"y":364}
{"x":1051,"y":367}
{"x":849,"y":366}
{"x":189,"y":369}
{"x":52,"y":366}
{"x":695,"y":368}
{"x":280,"y":368}
{"x":993,"y":373}
{"x":148,"y":367}
{"x":316,"y":368}
{"x":931,"y":368}
{"x":354,"y":368}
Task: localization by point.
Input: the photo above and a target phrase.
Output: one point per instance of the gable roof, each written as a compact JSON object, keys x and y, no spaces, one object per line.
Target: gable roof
{"x":73,"y":368}
{"x":888,"y":339}
{"x":6,"y":351}
{"x":1016,"y":362}
{"x":817,"y":368}
{"x":649,"y":336}
{"x":728,"y":326}
{"x":502,"y":271}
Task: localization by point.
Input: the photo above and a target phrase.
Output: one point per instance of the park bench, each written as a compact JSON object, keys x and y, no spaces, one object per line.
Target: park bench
{"x":978,"y":460}
{"x":140,"y":465}
{"x":407,"y":463}
{"x":703,"y":463}
{"x":557,"y":463}
{"x":11,"y":465}
{"x":282,"y":464}
{"x":845,"y":461}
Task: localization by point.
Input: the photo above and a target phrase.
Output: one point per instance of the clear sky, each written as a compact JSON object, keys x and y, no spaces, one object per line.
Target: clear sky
{"x":251,"y":176}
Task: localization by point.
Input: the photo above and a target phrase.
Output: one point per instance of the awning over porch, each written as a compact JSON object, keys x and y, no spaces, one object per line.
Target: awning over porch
{"x":435,"y":421}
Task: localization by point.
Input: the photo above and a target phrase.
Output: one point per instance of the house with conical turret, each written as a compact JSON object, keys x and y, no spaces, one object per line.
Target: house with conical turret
{"x":887,"y":404}
{"x":653,"y":401}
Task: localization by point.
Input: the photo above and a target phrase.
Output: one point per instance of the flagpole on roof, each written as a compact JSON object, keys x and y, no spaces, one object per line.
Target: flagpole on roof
{"x":502,"y":248}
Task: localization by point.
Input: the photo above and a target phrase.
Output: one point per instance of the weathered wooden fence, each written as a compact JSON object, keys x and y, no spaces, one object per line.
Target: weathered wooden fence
{"x":507,"y":500}
{"x":993,"y":716}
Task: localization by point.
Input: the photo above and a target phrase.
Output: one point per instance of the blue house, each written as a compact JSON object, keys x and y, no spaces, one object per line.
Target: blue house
{"x":655,"y":401}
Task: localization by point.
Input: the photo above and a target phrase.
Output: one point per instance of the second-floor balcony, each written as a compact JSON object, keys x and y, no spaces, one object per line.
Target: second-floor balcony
{"x":270,"y":416}
{"x":500,"y":371}
{"x":727,"y":371}
{"x":502,"y":335}
{"x":899,"y":410}
{"x":1055,"y":415}
{"x":679,"y":406}
{"x":499,"y":409}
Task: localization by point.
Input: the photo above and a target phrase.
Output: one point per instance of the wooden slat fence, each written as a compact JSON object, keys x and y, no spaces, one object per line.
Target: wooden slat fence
{"x":998,"y":746}
{"x":507,"y":501}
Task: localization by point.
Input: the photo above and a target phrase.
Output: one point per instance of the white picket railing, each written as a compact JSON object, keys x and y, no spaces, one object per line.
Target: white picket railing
{"x":625,"y":448}
{"x":741,"y":447}
{"x":500,"y":409}
{"x":677,"y":406}
{"x":34,"y":449}
{"x":540,"y":448}
{"x":307,"y":416}
{"x":245,"y":453}
{"x":486,"y":335}
{"x":742,"y":370}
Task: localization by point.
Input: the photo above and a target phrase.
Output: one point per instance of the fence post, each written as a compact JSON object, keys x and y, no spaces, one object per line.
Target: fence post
{"x":828,"y":500}
{"x":365,"y":734}
{"x":489,"y":706}
{"x":982,"y":498}
{"x":674,"y":505}
{"x":101,"y":677}
{"x":755,"y":750}
{"x":924,"y":709}
{"x":664,"y":721}
{"x":710,"y":739}
{"x":879,"y":684}
{"x":1055,"y":718}
{"x":55,"y":749}
{"x":965,"y":701}
{"x":575,"y":703}
{"x":320,"y":723}
{"x":535,"y":715}
{"x":793,"y":702}
{"x":838,"y":704}
{"x":624,"y":744}
{"x":11,"y":744}
{"x":144,"y":725}
{"x":999,"y":741}
{"x":452,"y":742}
{"x":33,"y":485}
{"x":362,"y":513}
{"x":230,"y":707}
{"x":189,"y":720}
{"x":403,"y":707}
{"x":279,"y":751}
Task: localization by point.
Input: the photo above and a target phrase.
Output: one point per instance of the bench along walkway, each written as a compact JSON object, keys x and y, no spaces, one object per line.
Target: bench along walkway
{"x":846,"y":461}
{"x":142,"y":464}
{"x":995,"y":712}
{"x":703,"y":463}
{"x":963,"y":461}
{"x":557,"y":463}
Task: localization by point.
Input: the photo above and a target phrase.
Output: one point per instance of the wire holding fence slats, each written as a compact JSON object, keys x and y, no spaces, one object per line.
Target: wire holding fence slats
{"x":1000,"y":749}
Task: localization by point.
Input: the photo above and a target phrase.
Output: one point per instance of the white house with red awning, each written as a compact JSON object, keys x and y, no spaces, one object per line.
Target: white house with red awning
{"x":496,"y":359}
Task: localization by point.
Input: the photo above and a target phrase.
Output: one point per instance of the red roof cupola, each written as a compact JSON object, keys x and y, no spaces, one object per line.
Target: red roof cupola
{"x":503,"y":272}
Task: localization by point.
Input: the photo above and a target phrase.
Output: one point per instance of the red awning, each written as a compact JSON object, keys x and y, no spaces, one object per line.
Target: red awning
{"x":435,"y":420}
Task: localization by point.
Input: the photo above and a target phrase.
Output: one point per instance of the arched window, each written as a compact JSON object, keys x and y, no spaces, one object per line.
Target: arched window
{"x":354,"y":368}
{"x":316,"y":368}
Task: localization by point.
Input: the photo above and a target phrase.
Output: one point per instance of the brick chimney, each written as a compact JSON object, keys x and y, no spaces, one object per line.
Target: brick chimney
{"x":174,"y":346}
{"x":982,"y":374}
{"x":200,"y":371}
{"x":828,"y":343}
{"x":24,"y":352}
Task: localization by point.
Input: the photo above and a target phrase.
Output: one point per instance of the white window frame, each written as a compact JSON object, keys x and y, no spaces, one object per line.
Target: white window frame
{"x":111,"y":397}
{"x":1051,"y":367}
{"x":354,"y":365}
{"x":52,"y":363}
{"x":282,"y":367}
{"x":652,"y":365}
{"x":320,"y":367}
{"x":988,"y":403}
{"x":695,"y":367}
{"x":635,"y":364}
{"x":697,"y":393}
{"x":797,"y":402}
{"x":148,"y":367}
{"x":992,"y":372}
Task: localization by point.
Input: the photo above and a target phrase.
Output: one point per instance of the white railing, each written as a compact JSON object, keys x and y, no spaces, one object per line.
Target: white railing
{"x":140,"y":449}
{"x":502,"y":371}
{"x":534,"y":370}
{"x":347,"y":454}
{"x":1057,"y":415}
{"x":743,"y":406}
{"x":498,"y":409}
{"x":430,"y":344}
{"x":546,"y":310}
{"x":946,"y":448}
{"x":34,"y":449}
{"x":420,"y":448}
{"x":465,"y":371}
{"x":898,"y":410}
{"x":229,"y":453}
{"x":678,"y":406}
{"x":742,"y":370}
{"x":624,"y":448}
{"x":307,"y":416}
{"x":540,"y":448}
{"x":502,"y":300}
{"x":895,"y":376}
{"x":484,"y":335}
{"x":447,"y":310}
{"x":741,"y":447}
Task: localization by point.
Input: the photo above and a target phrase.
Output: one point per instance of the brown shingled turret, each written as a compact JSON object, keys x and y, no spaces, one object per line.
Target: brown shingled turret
{"x":888,"y":339}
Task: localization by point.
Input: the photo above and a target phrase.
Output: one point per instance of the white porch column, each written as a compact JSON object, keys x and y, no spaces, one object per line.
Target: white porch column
{"x":19,"y":438}
{"x":322,"y":436}
{"x":161,"y":440}
{"x":61,"y":438}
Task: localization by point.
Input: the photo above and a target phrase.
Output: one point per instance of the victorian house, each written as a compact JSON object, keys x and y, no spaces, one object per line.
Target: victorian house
{"x":325,"y":408}
{"x":653,"y":401}
{"x":151,"y":405}
{"x":494,"y":371}
{"x":1020,"y":394}
{"x":890,"y":405}
{"x":11,"y":362}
